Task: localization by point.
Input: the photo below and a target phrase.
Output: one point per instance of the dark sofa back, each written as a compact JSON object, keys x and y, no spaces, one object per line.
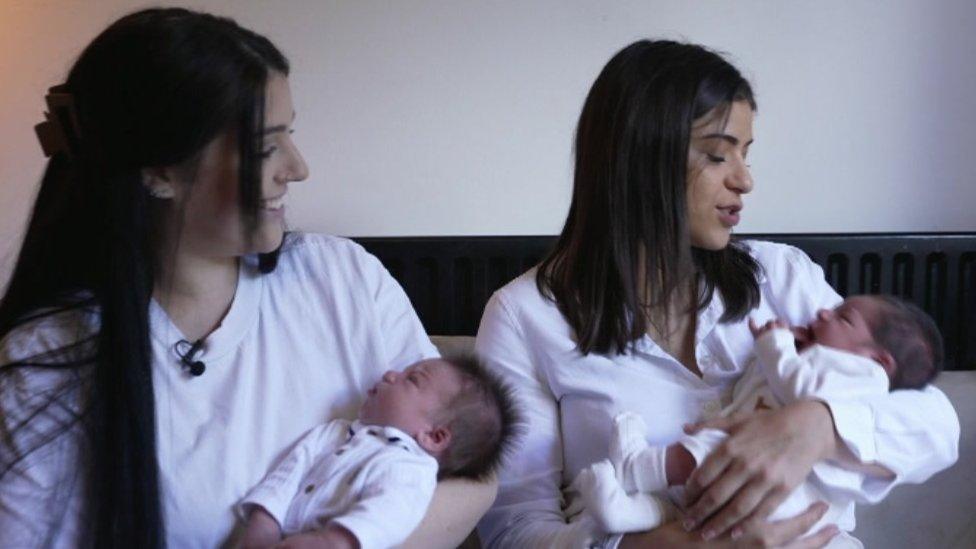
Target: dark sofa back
{"x":449,"y":279}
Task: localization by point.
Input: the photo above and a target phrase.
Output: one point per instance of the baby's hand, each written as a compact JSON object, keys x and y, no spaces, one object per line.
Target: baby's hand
{"x":774,"y":324}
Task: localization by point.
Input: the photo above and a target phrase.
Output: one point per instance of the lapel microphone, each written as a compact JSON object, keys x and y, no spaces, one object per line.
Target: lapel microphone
{"x":194,"y":367}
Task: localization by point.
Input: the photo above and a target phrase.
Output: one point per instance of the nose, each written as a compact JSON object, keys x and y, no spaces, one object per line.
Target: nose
{"x":299,"y":171}
{"x":294,"y":168}
{"x":390,"y":376}
{"x":740,"y":180}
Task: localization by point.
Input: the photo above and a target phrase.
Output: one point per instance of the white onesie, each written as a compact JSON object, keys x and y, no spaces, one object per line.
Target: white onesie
{"x":375,"y":481}
{"x":778,"y":376}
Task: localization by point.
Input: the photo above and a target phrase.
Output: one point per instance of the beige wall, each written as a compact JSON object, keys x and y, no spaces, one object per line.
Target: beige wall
{"x":422,"y":117}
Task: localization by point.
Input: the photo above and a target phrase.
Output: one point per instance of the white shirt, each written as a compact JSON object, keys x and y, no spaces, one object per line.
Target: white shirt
{"x":375,"y":481}
{"x":299,"y":346}
{"x":571,"y":399}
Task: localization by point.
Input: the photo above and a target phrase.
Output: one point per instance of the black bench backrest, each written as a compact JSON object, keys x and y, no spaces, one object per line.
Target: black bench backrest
{"x":449,"y":279}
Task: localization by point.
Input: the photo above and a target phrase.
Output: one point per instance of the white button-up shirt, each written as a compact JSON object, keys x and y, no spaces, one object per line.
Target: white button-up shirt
{"x":570,"y":399}
{"x":375,"y":481}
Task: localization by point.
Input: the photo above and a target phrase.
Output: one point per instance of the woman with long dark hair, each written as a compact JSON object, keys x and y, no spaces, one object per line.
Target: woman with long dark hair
{"x":642,"y":306}
{"x":163,"y":340}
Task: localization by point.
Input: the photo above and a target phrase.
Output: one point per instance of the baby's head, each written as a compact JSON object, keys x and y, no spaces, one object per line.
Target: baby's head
{"x":453,"y":407}
{"x":893,"y":332}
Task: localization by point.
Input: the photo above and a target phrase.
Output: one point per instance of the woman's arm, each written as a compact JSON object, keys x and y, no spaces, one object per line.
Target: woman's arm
{"x":457,"y":506}
{"x":912,"y":433}
{"x":785,"y":534}
{"x":528,"y":512}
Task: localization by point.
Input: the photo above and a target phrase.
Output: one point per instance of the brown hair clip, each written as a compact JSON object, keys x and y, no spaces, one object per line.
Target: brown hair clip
{"x":59,"y":133}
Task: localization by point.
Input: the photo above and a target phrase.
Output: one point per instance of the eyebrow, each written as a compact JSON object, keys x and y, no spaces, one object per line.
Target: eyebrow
{"x":725,"y":137}
{"x":279,"y":127}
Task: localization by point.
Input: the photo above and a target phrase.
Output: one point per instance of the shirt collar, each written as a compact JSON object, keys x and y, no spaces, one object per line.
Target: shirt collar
{"x":385,"y":433}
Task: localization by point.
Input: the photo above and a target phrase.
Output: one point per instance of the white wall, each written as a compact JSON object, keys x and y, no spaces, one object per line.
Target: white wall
{"x":426,"y":117}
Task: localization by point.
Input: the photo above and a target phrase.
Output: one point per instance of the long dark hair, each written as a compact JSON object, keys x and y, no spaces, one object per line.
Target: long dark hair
{"x":628,"y":212}
{"x":151,"y":90}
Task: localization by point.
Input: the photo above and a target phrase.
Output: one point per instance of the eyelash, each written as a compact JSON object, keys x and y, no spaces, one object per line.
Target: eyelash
{"x":715,"y":159}
{"x":272,"y":149}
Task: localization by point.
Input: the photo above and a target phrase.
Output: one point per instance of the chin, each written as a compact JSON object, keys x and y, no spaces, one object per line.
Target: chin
{"x":712,"y":242}
{"x":267,"y":240}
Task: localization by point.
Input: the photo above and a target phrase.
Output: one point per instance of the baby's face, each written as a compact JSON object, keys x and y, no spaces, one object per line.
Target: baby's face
{"x":848,"y":326}
{"x":410,"y":400}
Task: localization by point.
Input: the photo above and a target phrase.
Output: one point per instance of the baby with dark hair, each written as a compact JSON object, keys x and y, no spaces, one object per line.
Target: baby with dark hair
{"x":865,"y":346}
{"x":368,"y":483}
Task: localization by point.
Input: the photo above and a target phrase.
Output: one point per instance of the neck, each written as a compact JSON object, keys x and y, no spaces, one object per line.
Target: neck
{"x":195,"y":290}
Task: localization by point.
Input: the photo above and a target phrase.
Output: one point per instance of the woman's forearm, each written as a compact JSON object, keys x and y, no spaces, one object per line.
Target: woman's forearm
{"x":453,"y":513}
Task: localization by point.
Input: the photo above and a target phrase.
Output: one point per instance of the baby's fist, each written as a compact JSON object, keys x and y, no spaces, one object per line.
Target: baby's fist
{"x":774,"y":324}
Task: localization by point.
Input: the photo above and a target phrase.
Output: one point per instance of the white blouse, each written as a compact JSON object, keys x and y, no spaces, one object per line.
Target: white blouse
{"x":571,"y":399}
{"x":298,"y":347}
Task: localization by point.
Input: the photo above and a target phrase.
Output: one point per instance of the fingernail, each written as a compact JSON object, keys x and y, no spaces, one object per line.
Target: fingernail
{"x":708,"y":534}
{"x":688,"y":524}
{"x":736,"y":533}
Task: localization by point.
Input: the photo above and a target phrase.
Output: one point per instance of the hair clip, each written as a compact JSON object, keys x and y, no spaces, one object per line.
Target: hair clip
{"x":59,"y":133}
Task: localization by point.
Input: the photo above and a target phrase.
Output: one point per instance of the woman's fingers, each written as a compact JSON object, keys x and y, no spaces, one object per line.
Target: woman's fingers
{"x":751,"y":502}
{"x":727,"y":423}
{"x":784,"y":533}
{"x":705,"y":474}
{"x":716,"y":488}
{"x":816,"y":541}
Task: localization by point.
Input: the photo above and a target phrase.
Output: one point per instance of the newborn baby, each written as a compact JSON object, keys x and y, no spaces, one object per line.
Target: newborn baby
{"x":368,"y":483}
{"x":867,"y":345}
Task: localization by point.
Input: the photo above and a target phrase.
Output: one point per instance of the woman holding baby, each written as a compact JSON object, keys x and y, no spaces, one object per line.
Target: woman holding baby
{"x":643,"y":305}
{"x":163,"y":342}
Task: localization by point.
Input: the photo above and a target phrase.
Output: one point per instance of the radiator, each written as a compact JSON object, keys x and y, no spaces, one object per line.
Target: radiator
{"x":449,"y":279}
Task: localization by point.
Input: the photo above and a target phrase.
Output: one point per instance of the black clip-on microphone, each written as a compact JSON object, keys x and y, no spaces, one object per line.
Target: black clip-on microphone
{"x":195,"y":367}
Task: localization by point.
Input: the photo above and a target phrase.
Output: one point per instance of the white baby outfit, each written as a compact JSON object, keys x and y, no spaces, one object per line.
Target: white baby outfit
{"x":375,"y":481}
{"x":778,"y":376}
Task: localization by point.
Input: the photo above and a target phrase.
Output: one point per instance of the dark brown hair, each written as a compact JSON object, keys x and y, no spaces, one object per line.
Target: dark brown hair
{"x":629,"y":213}
{"x":151,"y":90}
{"x":912,"y":338}
{"x":483,"y":419}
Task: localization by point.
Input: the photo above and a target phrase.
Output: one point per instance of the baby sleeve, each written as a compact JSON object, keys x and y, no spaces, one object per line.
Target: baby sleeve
{"x":397,"y":489}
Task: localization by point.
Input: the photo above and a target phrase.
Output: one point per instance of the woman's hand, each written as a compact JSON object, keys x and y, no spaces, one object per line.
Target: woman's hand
{"x":332,"y":536}
{"x":262,"y":530}
{"x":767,"y":455}
{"x":782,"y":534}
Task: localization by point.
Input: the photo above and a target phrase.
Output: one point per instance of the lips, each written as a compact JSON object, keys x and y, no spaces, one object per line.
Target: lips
{"x":729,"y":215}
{"x":273,"y":204}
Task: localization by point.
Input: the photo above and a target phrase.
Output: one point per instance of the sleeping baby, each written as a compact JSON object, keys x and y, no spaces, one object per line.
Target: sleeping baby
{"x":367,"y":483}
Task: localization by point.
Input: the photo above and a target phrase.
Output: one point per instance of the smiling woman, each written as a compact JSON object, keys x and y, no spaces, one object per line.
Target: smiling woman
{"x":171,"y":154}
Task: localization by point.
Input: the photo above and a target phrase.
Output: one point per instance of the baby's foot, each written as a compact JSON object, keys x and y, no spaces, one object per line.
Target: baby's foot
{"x":611,"y":508}
{"x":626,"y":439}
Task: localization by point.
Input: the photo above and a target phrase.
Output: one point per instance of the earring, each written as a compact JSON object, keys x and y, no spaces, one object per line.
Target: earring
{"x":161,"y":192}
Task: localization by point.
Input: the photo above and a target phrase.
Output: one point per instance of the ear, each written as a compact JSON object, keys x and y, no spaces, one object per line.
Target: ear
{"x":159,"y":183}
{"x":435,"y":440}
{"x":886,"y":361}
